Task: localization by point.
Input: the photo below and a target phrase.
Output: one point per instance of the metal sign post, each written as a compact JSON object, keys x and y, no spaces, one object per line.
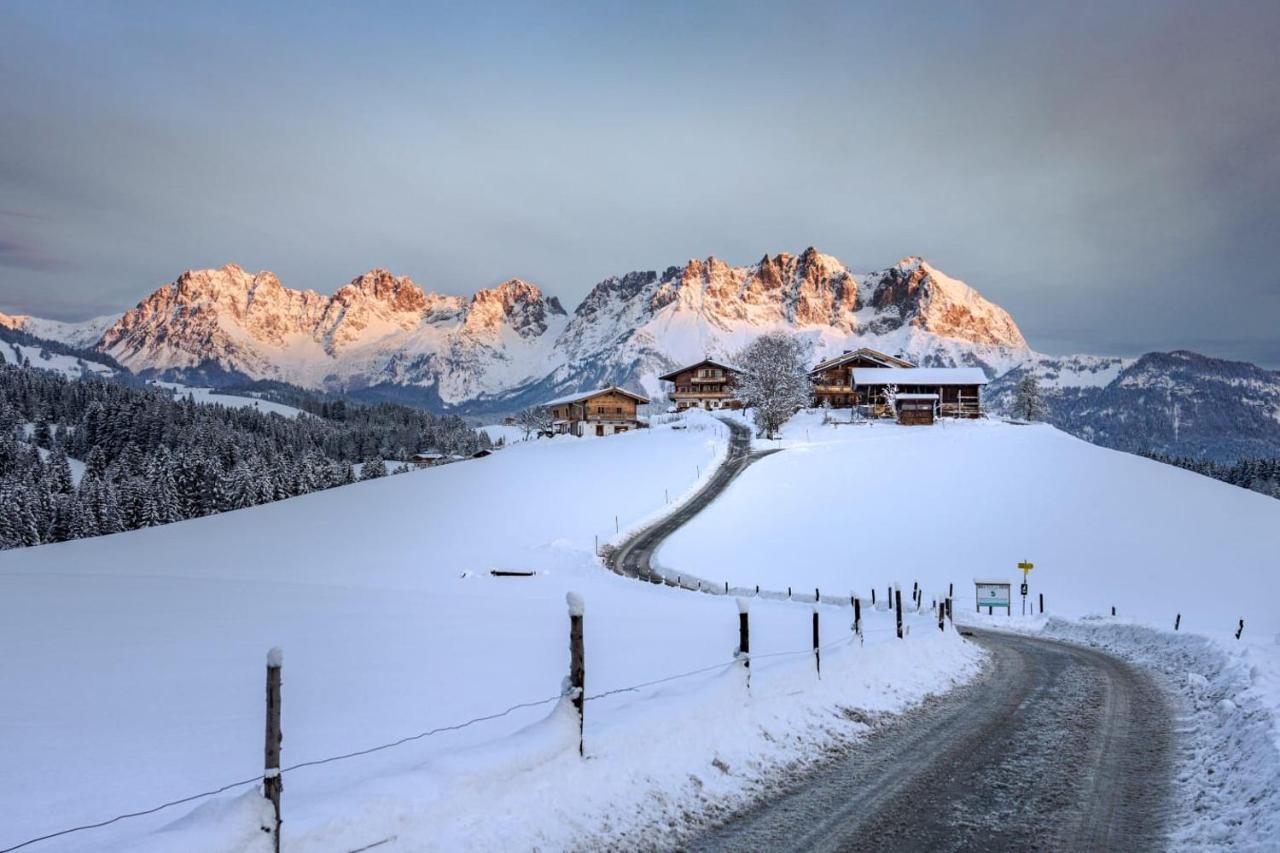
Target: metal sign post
{"x":1026,"y":566}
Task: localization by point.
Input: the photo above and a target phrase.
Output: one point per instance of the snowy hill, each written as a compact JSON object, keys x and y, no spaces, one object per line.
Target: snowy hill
{"x":83,"y":334}
{"x":134,"y":666}
{"x":962,"y":500}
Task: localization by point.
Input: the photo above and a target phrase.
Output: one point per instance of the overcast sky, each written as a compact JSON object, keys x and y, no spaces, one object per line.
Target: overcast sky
{"x":1110,"y":176}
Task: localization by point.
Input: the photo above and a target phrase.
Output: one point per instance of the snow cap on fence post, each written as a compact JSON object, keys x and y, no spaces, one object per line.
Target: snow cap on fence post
{"x":742,"y":605}
{"x":575,"y":603}
{"x":275,"y":657}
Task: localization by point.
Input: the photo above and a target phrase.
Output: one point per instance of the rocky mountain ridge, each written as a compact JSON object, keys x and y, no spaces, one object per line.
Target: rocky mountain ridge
{"x":511,"y":341}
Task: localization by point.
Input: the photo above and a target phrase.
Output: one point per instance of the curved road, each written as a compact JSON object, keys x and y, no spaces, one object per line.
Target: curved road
{"x":632,"y":557}
{"x":1056,"y":747}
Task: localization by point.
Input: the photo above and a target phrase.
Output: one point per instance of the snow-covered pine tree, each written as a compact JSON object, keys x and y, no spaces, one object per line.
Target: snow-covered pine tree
{"x":373,"y":468}
{"x":774,"y":380}
{"x":1029,"y":403}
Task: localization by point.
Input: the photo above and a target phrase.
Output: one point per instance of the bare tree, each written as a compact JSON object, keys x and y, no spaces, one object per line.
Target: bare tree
{"x":774,"y":380}
{"x":890,"y":395}
{"x":534,"y":419}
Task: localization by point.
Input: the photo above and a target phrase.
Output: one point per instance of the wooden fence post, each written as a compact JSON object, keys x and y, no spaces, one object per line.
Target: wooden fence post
{"x":1113,"y":610}
{"x":744,"y":638}
{"x":272,"y":784}
{"x":898,"y":608}
{"x":1177,"y":620}
{"x":950,"y":618}
{"x":873,"y":596}
{"x":788,"y":593}
{"x":817,"y":655}
{"x":1240,"y":630}
{"x":757,"y":590}
{"x":942,"y":618}
{"x":1042,"y":602}
{"x":857,"y":616}
{"x":817,"y":596}
{"x":726,"y":587}
{"x":577,"y":661}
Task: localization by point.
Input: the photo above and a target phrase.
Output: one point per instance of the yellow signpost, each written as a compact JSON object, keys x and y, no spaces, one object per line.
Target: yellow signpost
{"x":1026,"y":566}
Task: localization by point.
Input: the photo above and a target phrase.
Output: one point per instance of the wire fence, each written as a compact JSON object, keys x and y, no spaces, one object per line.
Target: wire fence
{"x":723,"y":666}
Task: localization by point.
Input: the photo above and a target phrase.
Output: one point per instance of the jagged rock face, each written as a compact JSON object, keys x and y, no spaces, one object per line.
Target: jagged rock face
{"x":379,"y":327}
{"x":505,"y":340}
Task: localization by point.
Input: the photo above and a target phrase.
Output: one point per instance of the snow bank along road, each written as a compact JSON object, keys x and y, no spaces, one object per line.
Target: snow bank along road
{"x":633,"y":556}
{"x":1056,"y":747}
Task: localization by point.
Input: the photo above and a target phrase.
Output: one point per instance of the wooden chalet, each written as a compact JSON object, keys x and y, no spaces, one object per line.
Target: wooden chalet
{"x":605,"y":411}
{"x":958,"y":390}
{"x":705,"y":384}
{"x":833,"y":379}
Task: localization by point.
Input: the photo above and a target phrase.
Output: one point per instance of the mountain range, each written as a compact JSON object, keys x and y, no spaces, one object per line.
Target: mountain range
{"x":381,"y":336}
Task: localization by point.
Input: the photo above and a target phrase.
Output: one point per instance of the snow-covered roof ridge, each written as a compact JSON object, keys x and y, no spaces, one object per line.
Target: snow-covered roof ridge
{"x":583,"y":395}
{"x":861,"y":352}
{"x":919,"y":376}
{"x":669,"y":376}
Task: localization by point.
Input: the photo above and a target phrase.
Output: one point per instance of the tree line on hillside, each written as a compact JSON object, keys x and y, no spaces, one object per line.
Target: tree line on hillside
{"x":1258,"y":475}
{"x":151,"y":458}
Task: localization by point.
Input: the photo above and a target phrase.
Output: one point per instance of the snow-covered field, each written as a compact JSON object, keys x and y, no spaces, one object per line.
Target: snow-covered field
{"x":207,"y":395}
{"x":133,"y":666}
{"x":848,"y":507}
{"x":72,"y":368}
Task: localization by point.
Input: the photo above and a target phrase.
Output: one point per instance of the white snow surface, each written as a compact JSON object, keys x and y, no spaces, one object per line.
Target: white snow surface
{"x":69,"y":366}
{"x":80,"y":334}
{"x":965,"y":499}
{"x":133,"y":670}
{"x":235,"y":401}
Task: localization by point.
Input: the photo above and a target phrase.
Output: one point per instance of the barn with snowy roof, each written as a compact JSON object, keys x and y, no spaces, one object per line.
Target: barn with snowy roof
{"x":603,"y":411}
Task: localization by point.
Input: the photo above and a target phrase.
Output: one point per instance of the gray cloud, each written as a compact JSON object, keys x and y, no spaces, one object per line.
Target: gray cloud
{"x":1107,"y":172}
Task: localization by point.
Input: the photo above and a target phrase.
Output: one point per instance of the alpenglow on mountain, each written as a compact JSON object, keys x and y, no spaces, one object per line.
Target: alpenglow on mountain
{"x":511,"y":343}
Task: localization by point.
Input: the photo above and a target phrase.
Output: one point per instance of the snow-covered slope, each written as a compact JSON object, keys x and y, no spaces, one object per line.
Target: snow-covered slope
{"x":632,"y":328}
{"x":133,"y":667}
{"x":1178,"y":403}
{"x":958,"y":500}
{"x":83,"y":334}
{"x":41,"y":358}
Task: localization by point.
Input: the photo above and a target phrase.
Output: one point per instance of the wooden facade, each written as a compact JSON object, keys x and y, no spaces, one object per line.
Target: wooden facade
{"x":606,"y":411}
{"x":958,"y":390}
{"x":916,"y":409}
{"x":706,"y":384}
{"x":833,"y":379}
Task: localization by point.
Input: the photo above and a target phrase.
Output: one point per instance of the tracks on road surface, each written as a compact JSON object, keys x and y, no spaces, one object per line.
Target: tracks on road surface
{"x":1057,"y":747}
{"x":633,"y":556}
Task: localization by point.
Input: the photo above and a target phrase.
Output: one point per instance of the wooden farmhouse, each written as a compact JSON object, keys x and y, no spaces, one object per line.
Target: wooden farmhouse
{"x":833,"y":379}
{"x":604,"y":411}
{"x":943,"y":391}
{"x":705,"y":384}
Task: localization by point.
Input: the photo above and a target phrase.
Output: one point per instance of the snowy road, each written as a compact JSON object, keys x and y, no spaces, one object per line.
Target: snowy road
{"x":632,"y":557}
{"x":1057,"y":747}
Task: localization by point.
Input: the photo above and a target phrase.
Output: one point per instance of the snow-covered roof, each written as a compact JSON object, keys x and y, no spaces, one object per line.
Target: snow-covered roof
{"x":993,"y":580}
{"x":917,"y":396}
{"x":861,"y":352}
{"x":919,"y":376}
{"x":586,"y":395}
{"x":670,"y":377}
